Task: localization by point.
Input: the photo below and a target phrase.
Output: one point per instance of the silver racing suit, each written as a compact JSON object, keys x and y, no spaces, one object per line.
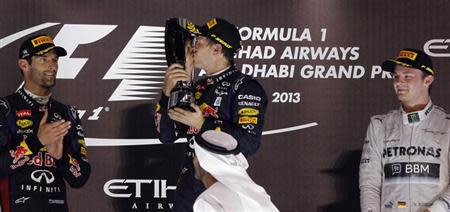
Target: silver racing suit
{"x":405,"y":162}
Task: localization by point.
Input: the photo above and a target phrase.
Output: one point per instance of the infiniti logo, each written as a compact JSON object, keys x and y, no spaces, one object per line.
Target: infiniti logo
{"x":46,"y":174}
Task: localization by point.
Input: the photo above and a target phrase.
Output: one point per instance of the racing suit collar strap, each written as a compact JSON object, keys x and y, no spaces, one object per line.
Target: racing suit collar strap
{"x":219,"y":72}
{"x":29,"y":100}
{"x":219,"y":76}
{"x":43,"y":100}
{"x":417,"y":116}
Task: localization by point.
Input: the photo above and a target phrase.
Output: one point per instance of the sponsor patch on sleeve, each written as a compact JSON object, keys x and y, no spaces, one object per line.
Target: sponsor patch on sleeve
{"x":24,"y":123}
{"x":248,"y":120}
{"x":248,"y":112}
{"x":23,"y":113}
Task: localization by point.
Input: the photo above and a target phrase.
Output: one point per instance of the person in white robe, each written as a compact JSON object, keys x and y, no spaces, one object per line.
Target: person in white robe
{"x":222,"y":169}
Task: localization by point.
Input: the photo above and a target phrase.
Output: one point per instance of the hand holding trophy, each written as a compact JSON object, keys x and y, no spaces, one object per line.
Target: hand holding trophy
{"x":179,"y":55}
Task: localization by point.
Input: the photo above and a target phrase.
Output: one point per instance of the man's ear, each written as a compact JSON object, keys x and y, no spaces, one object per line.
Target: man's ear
{"x":428,"y":80}
{"x":217,"y":49}
{"x":23,"y":64}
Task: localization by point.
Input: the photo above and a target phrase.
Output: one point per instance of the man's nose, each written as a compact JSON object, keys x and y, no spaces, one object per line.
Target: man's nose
{"x":53,"y":65}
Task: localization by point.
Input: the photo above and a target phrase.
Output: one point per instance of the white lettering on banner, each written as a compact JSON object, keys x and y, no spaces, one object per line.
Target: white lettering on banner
{"x":267,"y":71}
{"x":95,"y":115}
{"x":334,"y":72}
{"x":160,"y":206}
{"x":324,"y":34}
{"x":146,"y":206}
{"x":70,"y":37}
{"x":310,"y":71}
{"x":141,"y":64}
{"x":286,"y":97}
{"x":276,"y":34}
{"x":256,"y":52}
{"x":377,"y":70}
{"x":437,"y":44}
{"x":160,"y":188}
{"x":320,"y":53}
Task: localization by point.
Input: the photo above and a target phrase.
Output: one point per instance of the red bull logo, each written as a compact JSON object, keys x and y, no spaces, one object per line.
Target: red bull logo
{"x":208,"y":110}
{"x":75,"y":167}
{"x":19,"y":153}
{"x":192,"y":131}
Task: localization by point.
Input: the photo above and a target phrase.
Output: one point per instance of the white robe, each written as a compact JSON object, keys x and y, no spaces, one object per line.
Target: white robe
{"x":218,"y":198}
{"x":230,"y":171}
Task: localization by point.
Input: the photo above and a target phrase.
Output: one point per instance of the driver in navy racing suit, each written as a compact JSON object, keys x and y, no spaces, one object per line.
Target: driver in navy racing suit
{"x":226,"y":100}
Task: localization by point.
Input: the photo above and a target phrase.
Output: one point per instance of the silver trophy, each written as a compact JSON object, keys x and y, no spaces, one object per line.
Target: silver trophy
{"x":177,"y":35}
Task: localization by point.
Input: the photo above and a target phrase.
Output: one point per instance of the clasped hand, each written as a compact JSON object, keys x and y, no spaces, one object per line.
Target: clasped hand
{"x":192,"y":119}
{"x":51,"y":135}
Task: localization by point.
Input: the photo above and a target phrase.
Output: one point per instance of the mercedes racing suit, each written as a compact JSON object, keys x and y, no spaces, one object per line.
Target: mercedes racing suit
{"x":230,"y":101}
{"x":405,"y":161}
{"x":31,"y":180}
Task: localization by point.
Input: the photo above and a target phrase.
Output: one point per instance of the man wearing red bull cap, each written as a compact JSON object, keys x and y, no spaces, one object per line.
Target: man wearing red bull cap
{"x":41,"y":140}
{"x":405,"y":160}
{"x":226,"y":100}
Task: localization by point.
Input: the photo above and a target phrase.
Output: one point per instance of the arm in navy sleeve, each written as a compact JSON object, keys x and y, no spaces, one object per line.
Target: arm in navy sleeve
{"x":73,"y":165}
{"x":10,"y":159}
{"x":166,"y":126}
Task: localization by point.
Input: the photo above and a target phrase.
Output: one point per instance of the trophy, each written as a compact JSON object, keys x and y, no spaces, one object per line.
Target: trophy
{"x":176,"y":36}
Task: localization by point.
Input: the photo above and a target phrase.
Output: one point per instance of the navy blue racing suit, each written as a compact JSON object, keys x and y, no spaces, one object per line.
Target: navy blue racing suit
{"x":231,"y":102}
{"x":30,"y":179}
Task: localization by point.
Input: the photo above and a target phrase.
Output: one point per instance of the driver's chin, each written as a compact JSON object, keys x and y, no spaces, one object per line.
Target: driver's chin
{"x":402,"y":98}
{"x":49,"y":84}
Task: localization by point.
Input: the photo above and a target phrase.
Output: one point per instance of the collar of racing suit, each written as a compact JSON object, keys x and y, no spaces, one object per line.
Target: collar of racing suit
{"x":416,"y":116}
{"x":219,"y":76}
{"x":219,"y":72}
{"x":43,"y":100}
{"x":31,"y":101}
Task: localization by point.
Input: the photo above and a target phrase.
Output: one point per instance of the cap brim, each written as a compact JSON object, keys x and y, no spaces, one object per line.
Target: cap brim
{"x":389,"y":65}
{"x":60,"y":51}
{"x":203,"y":30}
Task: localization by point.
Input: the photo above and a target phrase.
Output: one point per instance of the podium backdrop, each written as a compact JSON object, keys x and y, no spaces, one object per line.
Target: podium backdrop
{"x":318,"y":60}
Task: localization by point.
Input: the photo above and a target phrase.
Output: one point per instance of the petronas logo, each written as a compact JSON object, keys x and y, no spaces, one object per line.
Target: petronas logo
{"x":413,"y":117}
